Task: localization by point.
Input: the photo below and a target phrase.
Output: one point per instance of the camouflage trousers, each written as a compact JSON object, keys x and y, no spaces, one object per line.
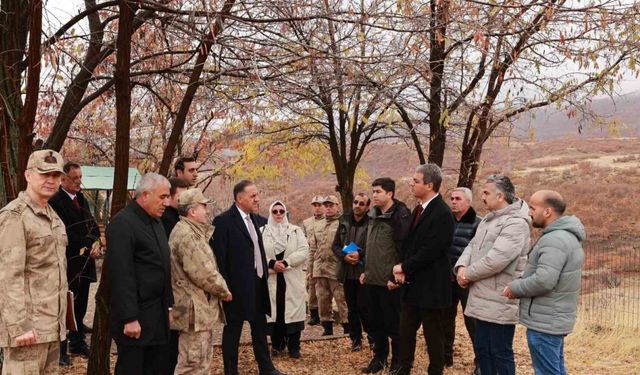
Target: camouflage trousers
{"x":313,"y":296}
{"x":37,"y":359}
{"x":328,"y":289}
{"x":195,"y":350}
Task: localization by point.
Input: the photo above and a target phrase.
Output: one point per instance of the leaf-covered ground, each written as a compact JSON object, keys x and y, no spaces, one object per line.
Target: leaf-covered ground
{"x":332,"y":357}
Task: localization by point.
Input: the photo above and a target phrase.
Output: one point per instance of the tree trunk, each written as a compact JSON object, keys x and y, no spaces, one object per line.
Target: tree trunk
{"x":437,"y":121}
{"x":28,"y":113}
{"x":13,"y":42}
{"x":101,"y":340}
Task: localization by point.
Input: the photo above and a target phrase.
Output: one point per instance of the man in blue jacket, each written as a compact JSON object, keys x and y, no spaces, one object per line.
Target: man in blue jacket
{"x":550,"y":284}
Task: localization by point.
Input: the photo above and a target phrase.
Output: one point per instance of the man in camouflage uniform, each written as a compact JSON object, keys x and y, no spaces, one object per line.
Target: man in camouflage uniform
{"x":324,"y":268}
{"x":309,"y":226}
{"x":33,"y":274}
{"x":198,"y":287}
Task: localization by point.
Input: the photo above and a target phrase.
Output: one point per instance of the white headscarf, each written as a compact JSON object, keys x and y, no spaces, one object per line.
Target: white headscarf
{"x":278,"y":230}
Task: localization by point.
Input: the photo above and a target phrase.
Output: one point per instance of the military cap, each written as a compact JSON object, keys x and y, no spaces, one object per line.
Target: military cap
{"x":46,"y":161}
{"x":331,"y":199}
{"x":193,"y":196}
{"x":317,"y":199}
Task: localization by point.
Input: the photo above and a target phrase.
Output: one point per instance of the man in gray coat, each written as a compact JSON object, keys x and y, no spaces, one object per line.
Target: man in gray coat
{"x":550,"y":285}
{"x":496,"y":256}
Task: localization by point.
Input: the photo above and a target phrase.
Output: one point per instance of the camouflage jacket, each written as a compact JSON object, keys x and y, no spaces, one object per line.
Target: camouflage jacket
{"x":312,"y":228}
{"x":324,"y":261}
{"x":33,"y":272}
{"x":197,"y":284}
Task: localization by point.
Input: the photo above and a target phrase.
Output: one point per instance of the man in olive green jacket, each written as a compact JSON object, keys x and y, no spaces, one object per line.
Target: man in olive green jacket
{"x":33,"y":272}
{"x":198,"y":287}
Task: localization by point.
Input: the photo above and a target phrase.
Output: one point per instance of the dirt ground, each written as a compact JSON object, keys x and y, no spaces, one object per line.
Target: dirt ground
{"x":584,"y":354}
{"x":332,"y":357}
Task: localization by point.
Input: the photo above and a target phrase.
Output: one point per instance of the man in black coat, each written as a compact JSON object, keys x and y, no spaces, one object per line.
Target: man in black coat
{"x":466,"y":222}
{"x":237,"y":244}
{"x":426,"y":272}
{"x":84,"y":245}
{"x":141,"y":296}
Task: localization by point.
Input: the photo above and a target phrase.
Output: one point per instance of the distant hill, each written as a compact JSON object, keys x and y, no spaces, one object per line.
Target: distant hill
{"x":622,"y":118}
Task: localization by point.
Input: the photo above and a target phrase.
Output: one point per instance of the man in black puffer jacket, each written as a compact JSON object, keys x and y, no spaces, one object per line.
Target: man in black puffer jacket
{"x":466,"y":224}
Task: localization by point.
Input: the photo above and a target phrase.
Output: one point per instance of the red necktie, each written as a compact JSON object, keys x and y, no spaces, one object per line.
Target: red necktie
{"x":419,"y":210}
{"x":75,"y":202}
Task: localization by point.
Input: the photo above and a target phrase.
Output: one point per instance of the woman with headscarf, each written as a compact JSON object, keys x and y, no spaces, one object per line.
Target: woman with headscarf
{"x":286,"y":249}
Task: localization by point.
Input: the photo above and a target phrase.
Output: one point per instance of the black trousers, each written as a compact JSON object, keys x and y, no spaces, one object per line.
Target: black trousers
{"x":231,"y":340}
{"x":355,"y":296}
{"x":79,"y":285}
{"x":141,"y":360}
{"x":280,"y":339}
{"x":384,"y":314}
{"x":411,"y":317}
{"x":459,"y":295}
{"x":172,"y":353}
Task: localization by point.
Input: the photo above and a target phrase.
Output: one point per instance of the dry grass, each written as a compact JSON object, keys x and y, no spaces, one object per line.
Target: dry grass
{"x":598,"y":349}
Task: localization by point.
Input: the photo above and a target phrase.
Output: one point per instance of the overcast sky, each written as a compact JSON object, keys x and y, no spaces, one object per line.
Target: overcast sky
{"x":57,"y":12}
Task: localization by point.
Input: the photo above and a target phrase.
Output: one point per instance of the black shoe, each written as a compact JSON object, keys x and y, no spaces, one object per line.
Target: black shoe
{"x":86,"y":329}
{"x":315,"y":318}
{"x":328,"y":328}
{"x":80,"y":349}
{"x":374,"y":366}
{"x":64,"y":360}
{"x":276,"y":352}
{"x":295,"y":354}
{"x":476,"y":371}
{"x":356,"y":345}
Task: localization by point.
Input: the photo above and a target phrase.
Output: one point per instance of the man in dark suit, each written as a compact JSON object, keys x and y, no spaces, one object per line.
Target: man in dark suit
{"x":83,"y":247}
{"x":425,"y":271}
{"x":141,"y":295}
{"x":237,"y":244}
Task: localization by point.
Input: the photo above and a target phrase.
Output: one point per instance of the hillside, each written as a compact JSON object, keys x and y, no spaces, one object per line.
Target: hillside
{"x":621,"y":116}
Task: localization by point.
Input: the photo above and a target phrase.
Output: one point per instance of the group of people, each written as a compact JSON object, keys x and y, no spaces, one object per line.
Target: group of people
{"x":390,"y":270}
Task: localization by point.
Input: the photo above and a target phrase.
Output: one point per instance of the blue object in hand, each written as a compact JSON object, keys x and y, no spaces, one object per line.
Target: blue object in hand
{"x":352,"y":248}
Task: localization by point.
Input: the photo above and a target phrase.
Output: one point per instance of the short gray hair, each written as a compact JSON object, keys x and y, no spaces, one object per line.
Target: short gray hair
{"x":183,"y":209}
{"x":149,"y":181}
{"x":431,"y":174}
{"x":465,"y":191}
{"x":504,"y":185}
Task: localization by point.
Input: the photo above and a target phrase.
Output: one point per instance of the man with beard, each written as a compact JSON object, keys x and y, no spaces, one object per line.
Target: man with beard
{"x":353,"y":229}
{"x":550,"y":285}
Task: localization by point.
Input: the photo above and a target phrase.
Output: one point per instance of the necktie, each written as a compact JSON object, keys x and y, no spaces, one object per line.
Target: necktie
{"x":419,"y":210}
{"x":75,"y":202}
{"x":256,"y":246}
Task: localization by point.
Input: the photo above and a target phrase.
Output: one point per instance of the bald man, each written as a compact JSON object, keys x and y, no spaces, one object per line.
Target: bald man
{"x":550,"y":284}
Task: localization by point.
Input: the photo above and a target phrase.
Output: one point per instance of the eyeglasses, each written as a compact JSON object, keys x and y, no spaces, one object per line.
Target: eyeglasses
{"x":278,"y":212}
{"x":359,"y":203}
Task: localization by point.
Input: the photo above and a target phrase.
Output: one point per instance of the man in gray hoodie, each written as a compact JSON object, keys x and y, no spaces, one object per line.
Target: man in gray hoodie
{"x":550,"y":284}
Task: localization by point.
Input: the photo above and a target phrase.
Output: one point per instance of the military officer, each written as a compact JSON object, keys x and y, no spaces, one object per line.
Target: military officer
{"x":309,"y":226}
{"x":198,"y":287}
{"x":324,"y":269}
{"x":33,"y":274}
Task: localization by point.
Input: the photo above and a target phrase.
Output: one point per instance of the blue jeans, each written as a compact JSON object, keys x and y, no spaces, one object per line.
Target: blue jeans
{"x":547,"y":355}
{"x":493,"y":345}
